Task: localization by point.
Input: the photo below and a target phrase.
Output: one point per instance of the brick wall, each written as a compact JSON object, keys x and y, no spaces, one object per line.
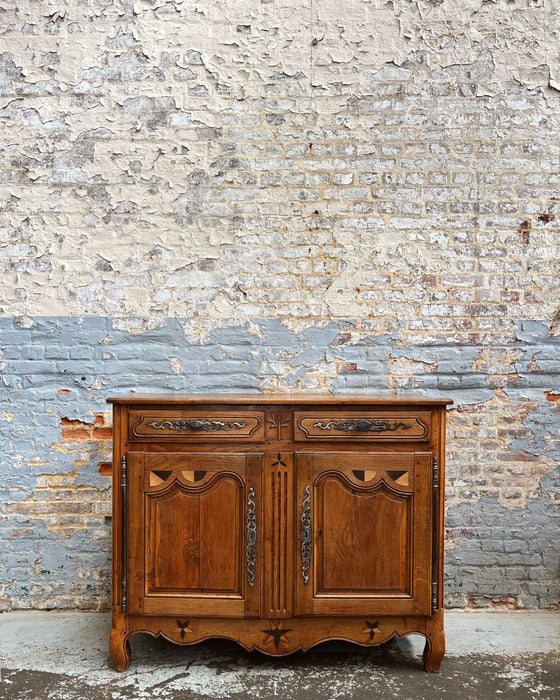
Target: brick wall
{"x":267,"y":196}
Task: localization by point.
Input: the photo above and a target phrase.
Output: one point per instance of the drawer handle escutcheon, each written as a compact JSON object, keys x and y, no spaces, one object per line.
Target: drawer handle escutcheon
{"x":306,"y":534}
{"x":363,"y":426}
{"x":211,"y":426}
{"x":251,"y":552}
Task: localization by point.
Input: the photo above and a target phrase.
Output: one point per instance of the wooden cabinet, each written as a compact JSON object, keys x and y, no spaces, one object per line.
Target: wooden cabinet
{"x":278,"y":521}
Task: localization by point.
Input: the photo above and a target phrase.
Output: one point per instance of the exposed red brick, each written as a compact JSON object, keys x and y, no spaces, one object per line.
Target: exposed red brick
{"x":517,"y":457}
{"x":486,"y":310}
{"x":76,"y":434}
{"x":80,"y":431}
{"x":105,"y":468}
{"x":497,"y":381}
{"x":102,"y":433}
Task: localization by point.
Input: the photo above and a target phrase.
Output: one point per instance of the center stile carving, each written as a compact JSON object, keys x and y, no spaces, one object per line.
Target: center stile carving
{"x":280,"y":535}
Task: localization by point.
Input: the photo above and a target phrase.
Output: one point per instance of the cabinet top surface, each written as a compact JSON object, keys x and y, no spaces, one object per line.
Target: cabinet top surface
{"x":307,"y":398}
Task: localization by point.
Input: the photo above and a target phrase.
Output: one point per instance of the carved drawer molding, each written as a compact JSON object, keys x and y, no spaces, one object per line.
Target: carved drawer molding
{"x":363,"y":426}
{"x":196,"y":426}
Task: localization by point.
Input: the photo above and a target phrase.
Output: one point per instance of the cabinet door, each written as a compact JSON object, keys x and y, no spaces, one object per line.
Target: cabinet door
{"x":194,"y":534}
{"x":365,"y":531}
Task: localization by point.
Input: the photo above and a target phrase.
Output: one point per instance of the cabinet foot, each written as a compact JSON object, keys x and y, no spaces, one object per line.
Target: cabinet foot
{"x":434,"y":651}
{"x":120,"y":649}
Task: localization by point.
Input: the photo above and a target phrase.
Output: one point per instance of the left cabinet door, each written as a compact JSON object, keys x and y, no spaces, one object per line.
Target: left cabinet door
{"x":194,"y":540}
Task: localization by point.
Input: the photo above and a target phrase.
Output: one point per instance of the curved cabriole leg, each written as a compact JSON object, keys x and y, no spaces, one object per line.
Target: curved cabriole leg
{"x":120,"y":649}
{"x":434,"y":650}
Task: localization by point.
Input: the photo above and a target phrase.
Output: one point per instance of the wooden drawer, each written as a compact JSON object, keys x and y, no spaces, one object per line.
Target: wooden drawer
{"x":369,"y":426}
{"x":196,"y":426}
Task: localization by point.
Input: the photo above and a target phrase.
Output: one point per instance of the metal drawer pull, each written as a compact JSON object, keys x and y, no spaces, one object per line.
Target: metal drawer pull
{"x":306,"y":534}
{"x":251,"y":552}
{"x":363,"y":426}
{"x":211,"y":426}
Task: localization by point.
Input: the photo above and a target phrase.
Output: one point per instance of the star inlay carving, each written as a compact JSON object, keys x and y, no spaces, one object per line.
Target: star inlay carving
{"x":184,"y":627}
{"x":279,"y":462}
{"x":277,"y":633}
{"x":371,"y":628}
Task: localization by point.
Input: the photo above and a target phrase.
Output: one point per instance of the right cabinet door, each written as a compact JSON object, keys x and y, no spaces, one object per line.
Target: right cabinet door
{"x":365,"y":528}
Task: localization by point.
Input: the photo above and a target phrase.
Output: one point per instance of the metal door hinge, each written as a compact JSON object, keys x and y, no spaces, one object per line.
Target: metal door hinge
{"x":124,"y":563}
{"x":435,"y":547}
{"x":435,"y":485}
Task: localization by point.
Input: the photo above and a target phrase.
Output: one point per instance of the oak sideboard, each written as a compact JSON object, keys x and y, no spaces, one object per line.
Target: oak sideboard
{"x":278,"y":521}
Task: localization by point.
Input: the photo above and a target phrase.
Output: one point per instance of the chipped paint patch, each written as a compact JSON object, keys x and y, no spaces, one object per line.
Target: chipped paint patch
{"x":502,"y":440}
{"x":265,"y":161}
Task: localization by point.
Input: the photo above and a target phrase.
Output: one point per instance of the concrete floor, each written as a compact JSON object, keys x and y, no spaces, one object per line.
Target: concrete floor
{"x":64,"y":656}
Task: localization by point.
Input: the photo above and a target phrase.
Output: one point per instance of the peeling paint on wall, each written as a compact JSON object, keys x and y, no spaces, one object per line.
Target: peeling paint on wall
{"x":156,"y":146}
{"x":57,"y":372}
{"x":268,"y":195}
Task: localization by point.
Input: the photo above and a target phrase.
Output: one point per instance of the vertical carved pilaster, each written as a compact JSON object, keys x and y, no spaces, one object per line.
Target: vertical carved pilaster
{"x":279,"y":535}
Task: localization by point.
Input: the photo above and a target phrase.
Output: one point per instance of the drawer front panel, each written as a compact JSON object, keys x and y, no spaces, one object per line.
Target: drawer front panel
{"x":381,"y":426}
{"x":196,"y":426}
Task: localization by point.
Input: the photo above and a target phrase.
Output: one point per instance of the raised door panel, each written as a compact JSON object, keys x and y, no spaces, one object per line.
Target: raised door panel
{"x":193,"y":533}
{"x":365,"y":533}
{"x":361,"y":534}
{"x":194,"y":538}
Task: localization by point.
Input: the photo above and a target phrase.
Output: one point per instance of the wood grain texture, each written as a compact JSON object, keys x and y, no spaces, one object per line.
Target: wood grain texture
{"x":366,"y":572}
{"x":118,"y":642}
{"x":434,"y":648}
{"x":173,"y":534}
{"x":187,"y":539}
{"x":366,"y":539}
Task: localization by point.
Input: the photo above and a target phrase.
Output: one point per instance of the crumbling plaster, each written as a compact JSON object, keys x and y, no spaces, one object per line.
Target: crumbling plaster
{"x":117,"y":176}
